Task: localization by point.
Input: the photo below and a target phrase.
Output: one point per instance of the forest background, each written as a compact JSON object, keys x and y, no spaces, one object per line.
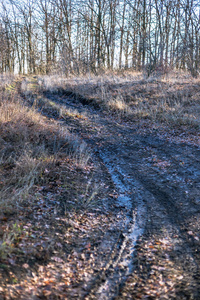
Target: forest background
{"x":72,"y":36}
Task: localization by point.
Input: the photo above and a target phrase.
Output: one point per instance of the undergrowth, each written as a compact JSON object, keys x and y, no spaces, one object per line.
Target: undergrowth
{"x":31,"y":146}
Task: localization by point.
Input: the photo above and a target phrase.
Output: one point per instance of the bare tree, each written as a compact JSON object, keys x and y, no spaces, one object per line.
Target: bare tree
{"x":89,"y":35}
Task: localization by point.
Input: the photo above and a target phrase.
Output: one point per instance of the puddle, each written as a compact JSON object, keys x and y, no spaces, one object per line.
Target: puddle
{"x":135,"y":210}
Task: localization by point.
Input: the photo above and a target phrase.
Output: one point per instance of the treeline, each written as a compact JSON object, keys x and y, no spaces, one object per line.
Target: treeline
{"x":40,"y":36}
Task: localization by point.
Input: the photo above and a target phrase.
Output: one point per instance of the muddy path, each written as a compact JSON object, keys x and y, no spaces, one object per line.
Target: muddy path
{"x":157,"y":177}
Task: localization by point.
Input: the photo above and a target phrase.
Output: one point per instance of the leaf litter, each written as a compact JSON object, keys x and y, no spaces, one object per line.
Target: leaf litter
{"x":57,"y":251}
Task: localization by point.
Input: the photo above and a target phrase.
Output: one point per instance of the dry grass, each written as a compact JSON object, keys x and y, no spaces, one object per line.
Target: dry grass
{"x":31,"y":146}
{"x":6,"y":80}
{"x":48,"y":182}
{"x":119,"y":106}
{"x":173,"y":98}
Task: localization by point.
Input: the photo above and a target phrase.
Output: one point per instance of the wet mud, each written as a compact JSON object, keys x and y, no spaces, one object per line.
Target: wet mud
{"x":157,"y":178}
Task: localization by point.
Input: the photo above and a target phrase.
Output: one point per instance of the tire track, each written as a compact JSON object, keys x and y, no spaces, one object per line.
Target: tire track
{"x":154,"y":200}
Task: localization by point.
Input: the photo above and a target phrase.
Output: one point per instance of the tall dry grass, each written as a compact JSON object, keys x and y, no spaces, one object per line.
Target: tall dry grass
{"x":172,"y":98}
{"x":30,"y":144}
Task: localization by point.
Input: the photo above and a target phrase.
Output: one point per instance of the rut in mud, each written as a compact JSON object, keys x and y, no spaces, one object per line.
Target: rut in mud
{"x":157,"y":176}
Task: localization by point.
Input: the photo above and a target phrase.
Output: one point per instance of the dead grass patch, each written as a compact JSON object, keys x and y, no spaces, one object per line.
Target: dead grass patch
{"x":6,"y":79}
{"x":172,"y":99}
{"x":31,"y":144}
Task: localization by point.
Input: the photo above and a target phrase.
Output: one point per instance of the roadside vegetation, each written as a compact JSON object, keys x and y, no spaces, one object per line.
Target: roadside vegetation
{"x":31,"y":147}
{"x":172,"y":99}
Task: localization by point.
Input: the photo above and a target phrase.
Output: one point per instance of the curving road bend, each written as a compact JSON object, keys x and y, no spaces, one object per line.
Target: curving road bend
{"x":157,"y":254}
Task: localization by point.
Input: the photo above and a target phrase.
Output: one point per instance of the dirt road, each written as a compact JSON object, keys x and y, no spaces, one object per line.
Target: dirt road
{"x":157,"y":176}
{"x":123,"y":226}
